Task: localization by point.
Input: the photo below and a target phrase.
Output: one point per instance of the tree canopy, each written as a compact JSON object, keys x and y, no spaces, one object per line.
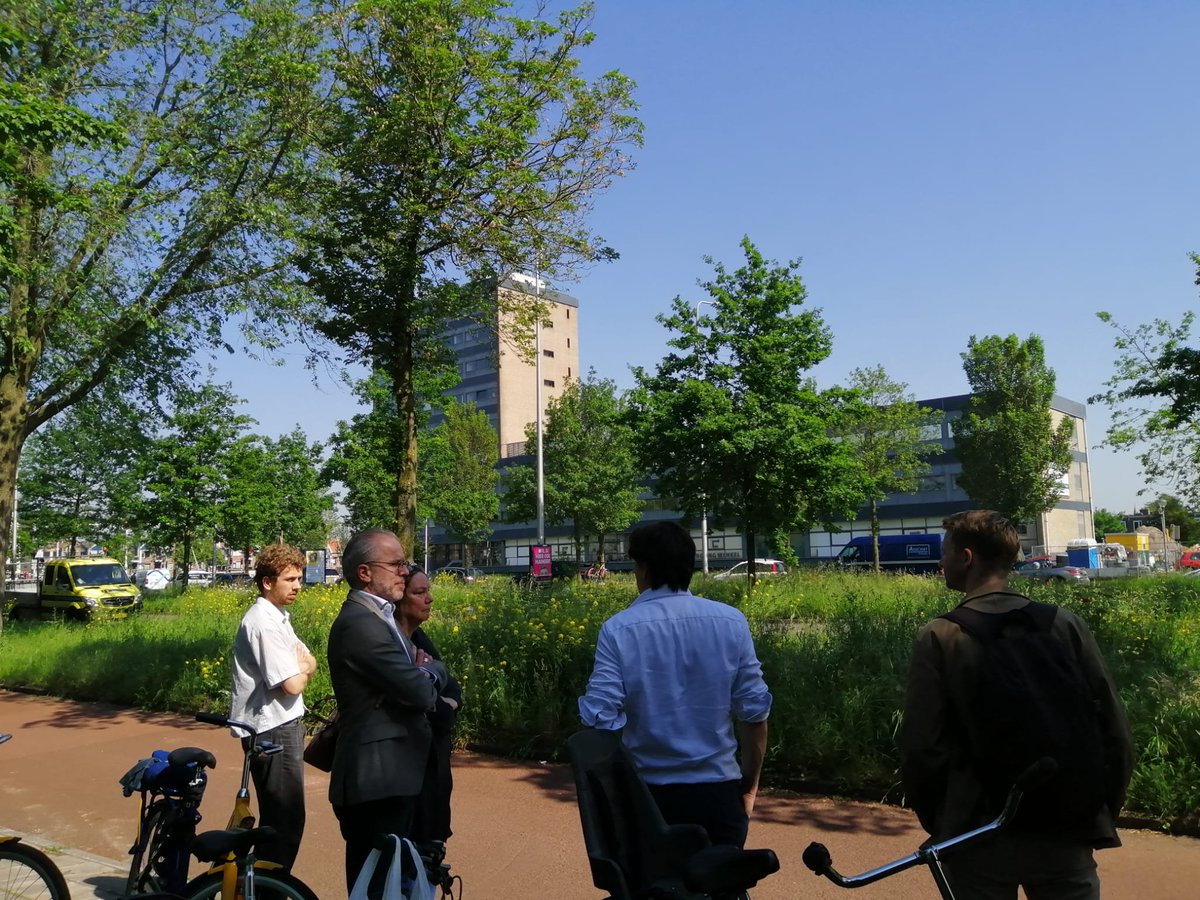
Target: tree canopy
{"x":150,"y":159}
{"x":889,"y":435}
{"x":732,"y":420}
{"x":458,"y":475}
{"x":78,"y":472}
{"x":591,"y":471}
{"x":1013,"y":455}
{"x":273,"y":493}
{"x":185,"y":474}
{"x":1106,"y":522}
{"x":460,"y":139}
{"x":1154,"y":397}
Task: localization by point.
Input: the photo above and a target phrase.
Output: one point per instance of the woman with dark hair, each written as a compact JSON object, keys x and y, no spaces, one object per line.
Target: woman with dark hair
{"x":432,"y":819}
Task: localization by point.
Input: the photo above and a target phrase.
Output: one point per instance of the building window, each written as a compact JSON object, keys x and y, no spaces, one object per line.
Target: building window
{"x":549,"y":353}
{"x":568,"y":343}
{"x":568,"y":312}
{"x":931,"y":484}
{"x":568,"y":371}
{"x":548,"y":382}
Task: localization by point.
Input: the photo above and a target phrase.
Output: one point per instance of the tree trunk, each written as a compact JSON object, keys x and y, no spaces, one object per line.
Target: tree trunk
{"x":13,"y":414}
{"x":187,"y":559}
{"x":875,"y":533}
{"x":401,"y":363}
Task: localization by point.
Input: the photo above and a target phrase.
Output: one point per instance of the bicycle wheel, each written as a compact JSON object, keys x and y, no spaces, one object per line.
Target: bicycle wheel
{"x":26,"y":872}
{"x":141,"y":878}
{"x":275,"y":884}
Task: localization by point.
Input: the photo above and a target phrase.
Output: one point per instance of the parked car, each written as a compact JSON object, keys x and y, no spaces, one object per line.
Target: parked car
{"x":761,"y":567}
{"x":152,"y":579}
{"x":1189,"y":559}
{"x":232,"y":579}
{"x":463,"y":574}
{"x":194,"y":578}
{"x":1047,"y":570}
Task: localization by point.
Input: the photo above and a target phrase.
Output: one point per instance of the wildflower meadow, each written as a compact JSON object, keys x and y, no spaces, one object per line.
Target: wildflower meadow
{"x":834,"y":648}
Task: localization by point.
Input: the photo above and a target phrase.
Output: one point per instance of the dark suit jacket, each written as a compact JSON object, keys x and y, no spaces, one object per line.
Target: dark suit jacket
{"x":382,"y":701}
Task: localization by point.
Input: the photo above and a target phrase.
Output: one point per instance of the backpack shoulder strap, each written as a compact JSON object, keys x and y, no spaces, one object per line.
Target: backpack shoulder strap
{"x":1033,"y":616}
{"x":983,"y":626}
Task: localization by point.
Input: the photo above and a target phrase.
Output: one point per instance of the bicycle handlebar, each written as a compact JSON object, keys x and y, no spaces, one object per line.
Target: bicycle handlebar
{"x":816,"y":856}
{"x":225,"y":721}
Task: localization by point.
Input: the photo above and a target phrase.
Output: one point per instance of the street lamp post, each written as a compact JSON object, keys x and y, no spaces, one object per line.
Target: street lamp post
{"x":541,"y":479}
{"x":703,"y":496}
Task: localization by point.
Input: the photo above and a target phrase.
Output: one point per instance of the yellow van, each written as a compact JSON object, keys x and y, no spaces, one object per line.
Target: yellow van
{"x":87,"y":587}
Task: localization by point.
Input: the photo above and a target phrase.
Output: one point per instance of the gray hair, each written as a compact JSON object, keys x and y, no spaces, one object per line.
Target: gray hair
{"x":359,"y":550}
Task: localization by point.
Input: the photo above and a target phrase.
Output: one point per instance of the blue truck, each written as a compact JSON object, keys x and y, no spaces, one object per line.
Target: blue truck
{"x":897,"y":553}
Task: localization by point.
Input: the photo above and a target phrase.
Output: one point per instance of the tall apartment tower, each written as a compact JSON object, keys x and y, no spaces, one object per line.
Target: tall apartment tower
{"x":503,"y":382}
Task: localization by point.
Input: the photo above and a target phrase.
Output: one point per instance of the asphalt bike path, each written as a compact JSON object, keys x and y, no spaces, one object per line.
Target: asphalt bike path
{"x":516,"y":828}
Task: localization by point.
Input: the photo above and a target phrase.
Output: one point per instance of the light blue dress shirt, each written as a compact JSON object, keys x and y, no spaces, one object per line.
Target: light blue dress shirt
{"x":674,"y":671}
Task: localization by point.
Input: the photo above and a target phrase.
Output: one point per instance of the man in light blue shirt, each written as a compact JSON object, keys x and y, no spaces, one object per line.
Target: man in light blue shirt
{"x":674,"y":672}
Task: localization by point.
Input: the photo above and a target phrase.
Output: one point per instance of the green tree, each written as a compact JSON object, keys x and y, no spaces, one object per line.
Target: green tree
{"x":888,"y":433}
{"x":590,"y":465}
{"x":78,"y":471}
{"x":1177,"y":514}
{"x":1154,"y":396}
{"x":146,"y":151}
{"x":464,"y":140}
{"x":1013,"y":455}
{"x":732,"y":420}
{"x":185,"y":474}
{"x":364,"y":455}
{"x":458,"y":475}
{"x":274,"y":493}
{"x":1106,"y":522}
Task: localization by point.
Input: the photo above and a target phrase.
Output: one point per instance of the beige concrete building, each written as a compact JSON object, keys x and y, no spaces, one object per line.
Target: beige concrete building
{"x":501,"y":372}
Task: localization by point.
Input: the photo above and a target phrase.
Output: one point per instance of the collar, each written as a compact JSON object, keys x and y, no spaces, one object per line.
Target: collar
{"x":658,"y":593}
{"x":279,"y":611}
{"x":384,"y":605}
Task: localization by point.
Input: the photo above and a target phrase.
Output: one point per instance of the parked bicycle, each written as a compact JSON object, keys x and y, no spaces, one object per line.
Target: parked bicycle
{"x":26,"y":872}
{"x":817,"y":857}
{"x":172,"y":786}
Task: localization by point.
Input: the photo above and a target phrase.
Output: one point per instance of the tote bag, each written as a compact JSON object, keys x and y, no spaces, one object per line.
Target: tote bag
{"x":395,"y":885}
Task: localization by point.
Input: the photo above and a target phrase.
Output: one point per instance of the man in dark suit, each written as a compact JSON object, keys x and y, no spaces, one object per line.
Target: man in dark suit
{"x":384,"y":687}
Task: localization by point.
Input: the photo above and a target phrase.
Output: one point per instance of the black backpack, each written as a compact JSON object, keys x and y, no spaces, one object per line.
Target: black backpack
{"x":1033,"y":700}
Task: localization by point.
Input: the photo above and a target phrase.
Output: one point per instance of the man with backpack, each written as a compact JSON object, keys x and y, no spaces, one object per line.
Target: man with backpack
{"x":995,"y":685}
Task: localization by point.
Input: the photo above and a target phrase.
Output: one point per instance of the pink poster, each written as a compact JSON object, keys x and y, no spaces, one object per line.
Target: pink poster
{"x":541,"y":562}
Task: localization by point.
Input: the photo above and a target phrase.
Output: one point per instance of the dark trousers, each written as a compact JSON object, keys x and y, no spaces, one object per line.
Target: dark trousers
{"x":361,"y":822}
{"x":717,"y":806}
{"x":1045,"y":867}
{"x":279,"y":786}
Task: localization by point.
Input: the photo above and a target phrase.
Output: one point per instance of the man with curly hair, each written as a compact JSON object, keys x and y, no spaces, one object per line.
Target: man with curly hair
{"x":271,"y":667}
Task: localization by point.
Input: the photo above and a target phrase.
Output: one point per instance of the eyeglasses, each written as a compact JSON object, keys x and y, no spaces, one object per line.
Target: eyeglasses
{"x":399,"y":566}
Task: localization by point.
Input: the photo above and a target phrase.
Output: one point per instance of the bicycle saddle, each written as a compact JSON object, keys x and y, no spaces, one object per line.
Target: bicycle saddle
{"x":186,"y":755}
{"x":728,"y":870}
{"x":214,"y":845}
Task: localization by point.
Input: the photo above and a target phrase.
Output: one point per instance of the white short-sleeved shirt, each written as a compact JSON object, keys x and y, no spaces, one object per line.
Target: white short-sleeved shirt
{"x":264,"y":657}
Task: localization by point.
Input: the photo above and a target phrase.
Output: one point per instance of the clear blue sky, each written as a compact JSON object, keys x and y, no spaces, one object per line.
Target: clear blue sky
{"x":943,"y":169}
